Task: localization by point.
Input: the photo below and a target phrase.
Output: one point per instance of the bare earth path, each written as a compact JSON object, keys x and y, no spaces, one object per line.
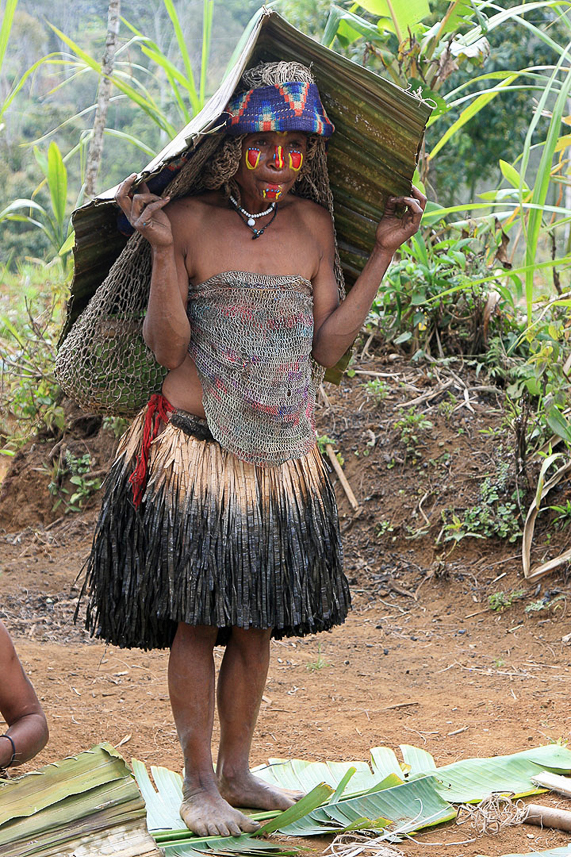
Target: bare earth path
{"x":442,"y":671}
{"x":398,"y":672}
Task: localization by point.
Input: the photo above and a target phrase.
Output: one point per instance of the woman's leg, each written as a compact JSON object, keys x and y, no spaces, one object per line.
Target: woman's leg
{"x":240,"y":687}
{"x":191,"y":688}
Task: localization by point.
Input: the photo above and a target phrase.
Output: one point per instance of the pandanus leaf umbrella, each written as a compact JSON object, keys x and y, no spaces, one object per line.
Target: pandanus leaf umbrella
{"x":372,"y":155}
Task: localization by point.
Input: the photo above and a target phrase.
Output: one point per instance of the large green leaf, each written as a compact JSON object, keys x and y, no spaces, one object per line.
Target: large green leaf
{"x":300,"y":775}
{"x":89,"y":800}
{"x":460,"y":782}
{"x":398,"y":16}
{"x":471,"y":780}
{"x":553,"y":852}
{"x":408,"y":806}
{"x":57,"y":182}
{"x":378,"y":795}
{"x":171,"y":834}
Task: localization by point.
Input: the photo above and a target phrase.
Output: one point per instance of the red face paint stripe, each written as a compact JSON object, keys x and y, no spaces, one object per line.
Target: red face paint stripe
{"x":252,"y":158}
{"x":279,"y":157}
{"x":295,"y":160}
{"x":271,"y":193}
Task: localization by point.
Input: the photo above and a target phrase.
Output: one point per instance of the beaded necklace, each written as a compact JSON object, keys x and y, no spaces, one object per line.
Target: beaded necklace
{"x":250,"y":219}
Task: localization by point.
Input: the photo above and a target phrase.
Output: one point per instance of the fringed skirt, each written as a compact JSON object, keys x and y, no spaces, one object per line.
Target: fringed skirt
{"x":215,"y":541}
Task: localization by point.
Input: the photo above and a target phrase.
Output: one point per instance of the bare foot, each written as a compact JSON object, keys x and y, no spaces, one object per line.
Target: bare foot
{"x":249,"y":791}
{"x":206,"y":813}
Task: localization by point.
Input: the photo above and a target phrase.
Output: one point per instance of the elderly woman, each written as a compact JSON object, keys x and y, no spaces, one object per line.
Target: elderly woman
{"x":219,"y":523}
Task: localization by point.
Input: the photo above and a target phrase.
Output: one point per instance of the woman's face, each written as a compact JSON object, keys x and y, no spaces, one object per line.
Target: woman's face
{"x":271,"y":162}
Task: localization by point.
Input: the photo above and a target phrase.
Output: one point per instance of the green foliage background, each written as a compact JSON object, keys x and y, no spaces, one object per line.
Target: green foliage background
{"x":469,"y":161}
{"x":41,"y":106}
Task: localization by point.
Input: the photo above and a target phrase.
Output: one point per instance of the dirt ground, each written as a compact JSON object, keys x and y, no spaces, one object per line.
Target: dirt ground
{"x":422,"y":659}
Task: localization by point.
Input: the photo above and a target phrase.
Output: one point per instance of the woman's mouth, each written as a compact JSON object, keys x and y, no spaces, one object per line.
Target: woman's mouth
{"x":272,"y":191}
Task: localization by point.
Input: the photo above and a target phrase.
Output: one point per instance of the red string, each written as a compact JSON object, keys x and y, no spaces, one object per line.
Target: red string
{"x":158,"y":411}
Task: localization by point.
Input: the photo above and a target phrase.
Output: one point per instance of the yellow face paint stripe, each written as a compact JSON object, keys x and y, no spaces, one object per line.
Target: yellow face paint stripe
{"x":252,"y":158}
{"x":279,"y":157}
{"x":271,"y":193}
{"x":295,"y":160}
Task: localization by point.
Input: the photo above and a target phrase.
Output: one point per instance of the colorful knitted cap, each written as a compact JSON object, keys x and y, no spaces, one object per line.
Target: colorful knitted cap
{"x":291,"y":106}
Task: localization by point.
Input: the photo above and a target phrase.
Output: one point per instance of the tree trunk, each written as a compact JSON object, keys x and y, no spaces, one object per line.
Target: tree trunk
{"x":103,"y":94}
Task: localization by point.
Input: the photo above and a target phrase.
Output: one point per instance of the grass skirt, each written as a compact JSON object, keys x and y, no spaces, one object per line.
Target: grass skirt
{"x":215,"y":541}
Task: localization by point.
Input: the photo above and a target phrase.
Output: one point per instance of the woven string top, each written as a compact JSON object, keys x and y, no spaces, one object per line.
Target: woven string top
{"x":251,"y":342}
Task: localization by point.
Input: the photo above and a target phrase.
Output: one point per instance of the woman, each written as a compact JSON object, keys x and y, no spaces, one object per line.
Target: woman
{"x":27,"y":731}
{"x":231,"y":532}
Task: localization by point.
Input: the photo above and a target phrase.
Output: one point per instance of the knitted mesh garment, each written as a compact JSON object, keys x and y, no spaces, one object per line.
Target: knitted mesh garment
{"x":251,"y":342}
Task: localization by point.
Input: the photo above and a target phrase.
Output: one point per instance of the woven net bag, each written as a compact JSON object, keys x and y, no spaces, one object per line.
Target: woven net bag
{"x":104,"y":363}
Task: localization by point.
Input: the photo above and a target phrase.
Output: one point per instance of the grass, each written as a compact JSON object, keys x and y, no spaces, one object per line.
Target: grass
{"x":315,"y":666}
{"x":32,"y":305}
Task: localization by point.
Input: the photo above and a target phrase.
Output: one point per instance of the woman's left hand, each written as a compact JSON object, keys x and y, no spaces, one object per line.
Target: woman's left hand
{"x":392,"y":230}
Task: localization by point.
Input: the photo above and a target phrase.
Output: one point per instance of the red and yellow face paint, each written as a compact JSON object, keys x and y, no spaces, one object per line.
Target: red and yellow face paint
{"x":272,"y":191}
{"x":253,"y":156}
{"x":295,"y":160}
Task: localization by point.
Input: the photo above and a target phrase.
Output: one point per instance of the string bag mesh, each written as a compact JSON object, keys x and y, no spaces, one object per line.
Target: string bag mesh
{"x":104,"y":363}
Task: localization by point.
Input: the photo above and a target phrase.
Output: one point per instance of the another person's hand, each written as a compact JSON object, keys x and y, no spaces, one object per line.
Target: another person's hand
{"x":393,"y":230}
{"x":143,"y":210}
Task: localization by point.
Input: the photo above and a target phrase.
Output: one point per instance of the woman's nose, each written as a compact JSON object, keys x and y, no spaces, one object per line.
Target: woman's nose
{"x":278,"y":158}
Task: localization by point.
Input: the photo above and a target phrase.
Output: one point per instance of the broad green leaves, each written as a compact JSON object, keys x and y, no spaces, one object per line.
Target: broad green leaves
{"x":552,"y":852}
{"x":469,"y":112}
{"x":464,"y":781}
{"x":397,"y":16}
{"x":89,"y":802}
{"x":385,"y":795}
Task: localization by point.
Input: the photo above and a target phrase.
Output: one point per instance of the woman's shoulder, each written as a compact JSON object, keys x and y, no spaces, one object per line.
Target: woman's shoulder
{"x":316,"y":220}
{"x":196,"y":205}
{"x":311,"y":211}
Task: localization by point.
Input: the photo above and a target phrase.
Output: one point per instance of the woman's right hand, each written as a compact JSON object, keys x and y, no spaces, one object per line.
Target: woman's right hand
{"x":143,"y":210}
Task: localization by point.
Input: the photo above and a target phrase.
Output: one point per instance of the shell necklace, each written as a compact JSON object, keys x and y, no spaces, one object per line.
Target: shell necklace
{"x":250,"y":219}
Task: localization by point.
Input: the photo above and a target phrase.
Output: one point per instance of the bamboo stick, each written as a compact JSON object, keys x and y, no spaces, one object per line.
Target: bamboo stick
{"x":554,"y":782}
{"x":548,"y":816}
{"x":342,"y":478}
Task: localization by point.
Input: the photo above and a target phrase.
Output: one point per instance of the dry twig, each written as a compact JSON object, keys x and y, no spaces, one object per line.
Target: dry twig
{"x":342,"y":478}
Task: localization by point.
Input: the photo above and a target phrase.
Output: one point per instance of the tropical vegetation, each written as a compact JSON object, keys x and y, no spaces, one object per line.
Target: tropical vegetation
{"x":486,"y":278}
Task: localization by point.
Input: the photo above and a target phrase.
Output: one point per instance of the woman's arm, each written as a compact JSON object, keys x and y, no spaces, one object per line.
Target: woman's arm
{"x":20,"y":708}
{"x":336,"y":325}
{"x":166,"y":329}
